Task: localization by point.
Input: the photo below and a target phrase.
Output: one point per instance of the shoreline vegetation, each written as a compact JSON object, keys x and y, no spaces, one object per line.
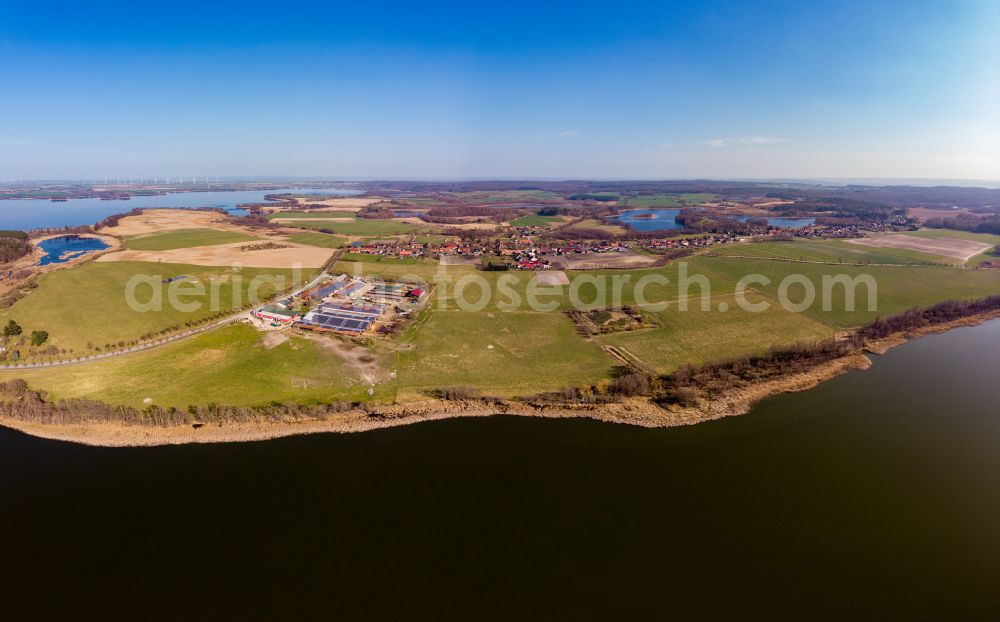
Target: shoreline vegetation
{"x":688,"y":396}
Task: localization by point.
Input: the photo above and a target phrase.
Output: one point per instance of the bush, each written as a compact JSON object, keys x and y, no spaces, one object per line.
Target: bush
{"x":38,"y":337}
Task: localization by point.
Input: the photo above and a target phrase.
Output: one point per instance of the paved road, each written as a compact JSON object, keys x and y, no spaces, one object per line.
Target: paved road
{"x":153,"y":344}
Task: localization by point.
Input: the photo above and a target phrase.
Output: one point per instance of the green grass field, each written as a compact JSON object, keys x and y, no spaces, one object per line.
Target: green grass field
{"x":380,"y":259}
{"x":88,"y":303}
{"x":355,"y":226}
{"x":231,"y":366}
{"x":312,"y":215}
{"x":667,"y":200}
{"x":832,"y":251}
{"x":502,"y":196}
{"x":695,"y":336}
{"x":185,"y":238}
{"x":498,"y":353}
{"x":421,"y":272}
{"x":534,"y":221}
{"x":898,"y":287}
{"x":323,"y":240}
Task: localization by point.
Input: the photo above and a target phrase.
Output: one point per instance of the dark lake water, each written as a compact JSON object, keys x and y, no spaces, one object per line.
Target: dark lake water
{"x":27,"y":214}
{"x":67,"y":247}
{"x":662,"y":219}
{"x":874,"y":496}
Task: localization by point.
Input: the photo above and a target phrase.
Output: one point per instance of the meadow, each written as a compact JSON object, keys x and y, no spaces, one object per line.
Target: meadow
{"x":185,"y":238}
{"x":898,"y":287}
{"x":501,"y":349}
{"x":352,"y":226}
{"x":499,"y":353}
{"x":310,"y":215}
{"x":382,"y":259}
{"x":323,"y":240}
{"x":87,"y":303}
{"x":666,"y":200}
{"x":234,"y":365}
{"x":830,"y":251}
{"x":698,"y":336}
{"x":534,"y":221}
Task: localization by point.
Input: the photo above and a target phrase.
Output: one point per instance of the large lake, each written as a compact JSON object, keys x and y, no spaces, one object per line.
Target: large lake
{"x":874,"y":496}
{"x":662,"y":219}
{"x":27,"y":214}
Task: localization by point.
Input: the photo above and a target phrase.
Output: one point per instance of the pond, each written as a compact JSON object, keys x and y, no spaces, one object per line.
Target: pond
{"x":67,"y":247}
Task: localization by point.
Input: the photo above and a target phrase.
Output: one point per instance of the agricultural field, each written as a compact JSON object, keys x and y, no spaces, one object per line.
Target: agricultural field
{"x":696,"y":336}
{"x":185,"y":238}
{"x":534,"y":221}
{"x":499,"y":353}
{"x":87,"y":303}
{"x":322,"y":240}
{"x":985,"y":238}
{"x":311,"y":214}
{"x":957,"y":249}
{"x":666,"y":200}
{"x":235,"y":365}
{"x":830,"y":251}
{"x":352,"y":226}
{"x":600,"y":226}
{"x":502,"y":196}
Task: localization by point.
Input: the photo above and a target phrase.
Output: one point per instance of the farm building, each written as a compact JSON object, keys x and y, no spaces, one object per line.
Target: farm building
{"x":384,"y":292}
{"x":274,"y":313}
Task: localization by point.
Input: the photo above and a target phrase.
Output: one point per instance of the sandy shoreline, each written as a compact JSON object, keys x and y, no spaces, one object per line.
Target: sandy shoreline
{"x":635,"y":411}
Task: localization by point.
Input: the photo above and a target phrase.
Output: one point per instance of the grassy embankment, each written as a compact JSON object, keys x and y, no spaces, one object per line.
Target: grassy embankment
{"x":185,"y":238}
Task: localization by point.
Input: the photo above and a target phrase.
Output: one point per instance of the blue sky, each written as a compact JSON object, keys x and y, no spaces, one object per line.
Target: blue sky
{"x":446,"y":90}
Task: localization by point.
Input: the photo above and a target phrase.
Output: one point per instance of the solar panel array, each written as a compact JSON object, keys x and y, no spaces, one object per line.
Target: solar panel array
{"x":327,"y":290}
{"x":348,"y":319}
{"x":353,"y":287}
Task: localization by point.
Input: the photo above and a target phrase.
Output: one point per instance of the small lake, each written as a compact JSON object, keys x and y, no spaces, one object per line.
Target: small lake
{"x":28,"y":214}
{"x":67,"y":247}
{"x":402,"y":213}
{"x":662,"y":219}
{"x":874,"y":496}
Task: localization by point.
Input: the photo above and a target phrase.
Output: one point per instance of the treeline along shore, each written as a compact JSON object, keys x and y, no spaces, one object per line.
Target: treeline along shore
{"x":689,"y":395}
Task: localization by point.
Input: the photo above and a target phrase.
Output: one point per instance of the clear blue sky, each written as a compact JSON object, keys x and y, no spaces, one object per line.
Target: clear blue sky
{"x":505,"y":89}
